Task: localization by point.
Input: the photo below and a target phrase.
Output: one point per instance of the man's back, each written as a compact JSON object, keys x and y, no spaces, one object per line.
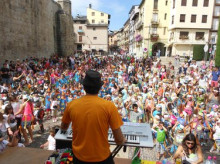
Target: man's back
{"x":91,"y":118}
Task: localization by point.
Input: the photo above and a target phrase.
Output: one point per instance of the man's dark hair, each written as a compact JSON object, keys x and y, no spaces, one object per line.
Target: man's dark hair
{"x":92,"y":90}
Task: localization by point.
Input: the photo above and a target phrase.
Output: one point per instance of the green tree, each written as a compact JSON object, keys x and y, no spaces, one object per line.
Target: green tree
{"x":198,"y":52}
{"x":217,"y":56}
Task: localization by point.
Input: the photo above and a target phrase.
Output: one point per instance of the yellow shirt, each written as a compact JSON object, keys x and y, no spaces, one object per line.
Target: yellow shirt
{"x":91,"y":117}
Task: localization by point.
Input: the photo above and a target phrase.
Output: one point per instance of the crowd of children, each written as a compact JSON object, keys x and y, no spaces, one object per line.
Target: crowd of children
{"x":175,"y":101}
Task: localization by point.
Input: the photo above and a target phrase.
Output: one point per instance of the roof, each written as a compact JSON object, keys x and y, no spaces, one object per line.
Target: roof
{"x":80,"y":18}
{"x":132,"y":8}
{"x":98,"y":11}
{"x":127,"y":21}
{"x":142,"y":2}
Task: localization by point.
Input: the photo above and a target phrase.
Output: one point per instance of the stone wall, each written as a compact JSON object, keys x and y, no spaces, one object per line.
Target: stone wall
{"x":30,"y":28}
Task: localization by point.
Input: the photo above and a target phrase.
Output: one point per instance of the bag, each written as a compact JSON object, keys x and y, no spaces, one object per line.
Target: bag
{"x":33,"y":120}
{"x":185,"y":162}
{"x":40,"y":114}
{"x":161,"y":135}
{"x":1,"y":134}
{"x":12,"y":121}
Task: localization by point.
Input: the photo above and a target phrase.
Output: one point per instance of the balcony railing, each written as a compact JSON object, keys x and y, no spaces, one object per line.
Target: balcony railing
{"x":154,"y":37}
{"x":138,"y":38}
{"x":184,"y":37}
{"x":200,"y":38}
{"x":80,"y":31}
{"x":154,"y":22}
{"x":139,"y":25}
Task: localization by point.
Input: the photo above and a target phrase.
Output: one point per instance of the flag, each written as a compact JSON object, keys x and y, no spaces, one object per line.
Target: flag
{"x":136,"y":157}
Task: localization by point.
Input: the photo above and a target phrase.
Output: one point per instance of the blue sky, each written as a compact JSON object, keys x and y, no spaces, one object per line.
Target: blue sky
{"x":118,"y":9}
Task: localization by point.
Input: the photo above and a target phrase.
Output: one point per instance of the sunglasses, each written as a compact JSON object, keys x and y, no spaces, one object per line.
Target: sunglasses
{"x":190,"y":143}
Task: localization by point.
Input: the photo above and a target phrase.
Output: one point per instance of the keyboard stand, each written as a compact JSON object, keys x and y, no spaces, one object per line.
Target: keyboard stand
{"x":116,"y":150}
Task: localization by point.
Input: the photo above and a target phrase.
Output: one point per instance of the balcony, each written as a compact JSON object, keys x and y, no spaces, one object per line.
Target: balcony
{"x":155,"y":22}
{"x":139,"y":25}
{"x":184,"y":37}
{"x":199,"y":38}
{"x":154,"y":37}
{"x":80,"y":31}
{"x":138,"y":38}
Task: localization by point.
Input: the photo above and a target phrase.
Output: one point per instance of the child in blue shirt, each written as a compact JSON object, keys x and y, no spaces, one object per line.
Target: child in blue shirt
{"x":47,"y":104}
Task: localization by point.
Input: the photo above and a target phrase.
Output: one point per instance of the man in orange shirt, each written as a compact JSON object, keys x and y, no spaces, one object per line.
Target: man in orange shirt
{"x":91,"y":117}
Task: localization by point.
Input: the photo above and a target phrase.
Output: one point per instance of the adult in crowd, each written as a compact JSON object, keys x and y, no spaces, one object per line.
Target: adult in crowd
{"x":190,"y":151}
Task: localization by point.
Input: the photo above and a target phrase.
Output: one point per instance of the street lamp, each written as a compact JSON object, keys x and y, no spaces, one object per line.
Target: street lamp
{"x":206,"y":48}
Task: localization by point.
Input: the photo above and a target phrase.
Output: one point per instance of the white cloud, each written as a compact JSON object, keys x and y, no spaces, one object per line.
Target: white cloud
{"x":80,"y":6}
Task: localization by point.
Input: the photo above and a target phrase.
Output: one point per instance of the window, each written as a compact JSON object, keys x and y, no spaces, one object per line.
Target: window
{"x":94,"y":28}
{"x":204,"y":19}
{"x":217,"y":11}
{"x":166,"y":2}
{"x":164,"y":31}
{"x":93,"y":13}
{"x":102,"y":21}
{"x":206,"y":3}
{"x":184,"y":35}
{"x":183,"y":3}
{"x":80,"y":27}
{"x":193,"y":18}
{"x":102,"y":14}
{"x":155,"y":17}
{"x":165,"y":16}
{"x":93,"y":21}
{"x":213,"y":40}
{"x":174,"y":1}
{"x":182,"y":17}
{"x":195,"y":3}
{"x":154,"y":30}
{"x":199,"y":35}
{"x":155,"y":4}
{"x":80,"y":38}
{"x":172,"y":20}
{"x":215,"y":24}
{"x":94,"y":38}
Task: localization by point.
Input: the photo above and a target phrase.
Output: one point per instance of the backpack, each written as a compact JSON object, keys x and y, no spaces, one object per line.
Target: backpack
{"x":40,"y":114}
{"x":161,"y":135}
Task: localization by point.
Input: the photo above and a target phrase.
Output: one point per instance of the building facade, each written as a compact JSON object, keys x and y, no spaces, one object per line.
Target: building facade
{"x":80,"y":31}
{"x":91,"y":31}
{"x":155,"y":17}
{"x":125,"y":44}
{"x":97,"y":28}
{"x":214,"y":28}
{"x":190,"y":24}
{"x":134,"y":11}
{"x":35,"y":28}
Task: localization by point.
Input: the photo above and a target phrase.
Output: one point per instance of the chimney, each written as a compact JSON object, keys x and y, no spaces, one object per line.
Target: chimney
{"x":90,"y":5}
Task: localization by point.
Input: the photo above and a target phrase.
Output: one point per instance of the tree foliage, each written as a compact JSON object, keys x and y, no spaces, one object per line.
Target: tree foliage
{"x":198,"y":52}
{"x":217,"y":56}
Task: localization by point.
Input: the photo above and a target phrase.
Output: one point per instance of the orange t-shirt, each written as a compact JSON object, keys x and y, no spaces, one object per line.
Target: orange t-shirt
{"x":91,"y":117}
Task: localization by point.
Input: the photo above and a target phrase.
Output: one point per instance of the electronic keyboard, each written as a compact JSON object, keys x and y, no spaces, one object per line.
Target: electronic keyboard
{"x":137,"y":135}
